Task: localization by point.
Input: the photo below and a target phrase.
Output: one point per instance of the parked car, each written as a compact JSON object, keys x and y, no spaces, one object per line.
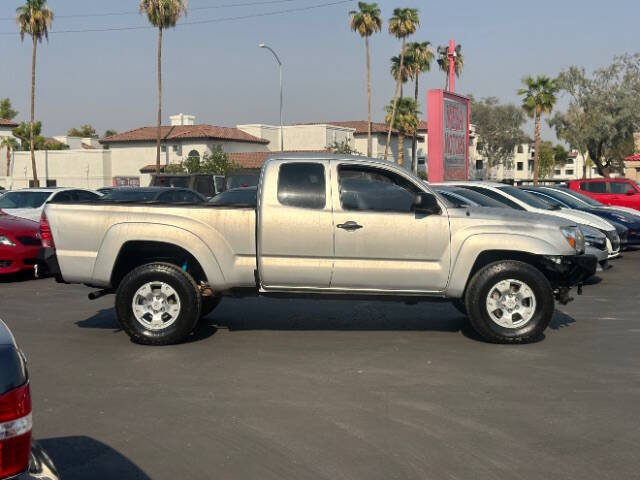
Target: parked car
{"x":29,"y":202}
{"x":207,"y":185}
{"x":595,"y":241}
{"x":21,"y":457}
{"x":610,"y":191}
{"x":520,"y":200}
{"x":595,"y":203}
{"x":153,"y":195}
{"x":241,"y":197}
{"x":19,"y":244}
{"x":325,"y":224}
{"x":242,"y":178}
{"x":105,"y":190}
{"x":628,"y":226}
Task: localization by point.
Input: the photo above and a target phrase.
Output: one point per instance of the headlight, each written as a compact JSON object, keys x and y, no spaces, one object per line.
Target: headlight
{"x":574,"y":237}
{"x":6,"y":241}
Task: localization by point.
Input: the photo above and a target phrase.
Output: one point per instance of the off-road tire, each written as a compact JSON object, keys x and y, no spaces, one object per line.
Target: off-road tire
{"x":486,"y":278}
{"x":190,"y":303}
{"x":208,"y":305}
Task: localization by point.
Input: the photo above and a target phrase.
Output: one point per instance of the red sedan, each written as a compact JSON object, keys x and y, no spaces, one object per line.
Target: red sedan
{"x":19,"y":244}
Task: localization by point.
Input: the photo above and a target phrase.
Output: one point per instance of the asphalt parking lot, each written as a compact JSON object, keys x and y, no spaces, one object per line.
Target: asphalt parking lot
{"x":282,"y":389}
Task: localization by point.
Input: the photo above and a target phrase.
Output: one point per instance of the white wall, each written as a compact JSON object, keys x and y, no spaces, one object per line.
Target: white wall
{"x":70,"y":168}
{"x":300,"y":137}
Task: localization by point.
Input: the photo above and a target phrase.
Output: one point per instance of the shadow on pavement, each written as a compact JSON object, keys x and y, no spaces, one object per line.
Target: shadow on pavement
{"x":25,"y":276}
{"x":84,"y":457}
{"x":561,"y":320}
{"x":105,"y":318}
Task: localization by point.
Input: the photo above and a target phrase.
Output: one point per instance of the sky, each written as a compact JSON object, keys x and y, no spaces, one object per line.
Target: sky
{"x":216,"y":71}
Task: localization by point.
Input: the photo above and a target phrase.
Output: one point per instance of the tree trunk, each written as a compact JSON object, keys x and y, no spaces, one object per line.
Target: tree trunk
{"x":395,"y":99}
{"x":584,"y":164}
{"x":8,"y":161}
{"x":446,"y":80}
{"x":36,"y":182}
{"x":536,"y":154}
{"x":159,"y":100}
{"x":401,"y":149}
{"x":414,"y":140}
{"x":369,"y":146}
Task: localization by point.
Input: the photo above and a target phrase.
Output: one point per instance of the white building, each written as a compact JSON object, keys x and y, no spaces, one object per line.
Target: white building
{"x":5,"y":131}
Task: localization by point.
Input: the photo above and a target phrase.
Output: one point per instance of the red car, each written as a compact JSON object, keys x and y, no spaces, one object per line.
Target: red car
{"x":620,"y":192}
{"x":19,"y":244}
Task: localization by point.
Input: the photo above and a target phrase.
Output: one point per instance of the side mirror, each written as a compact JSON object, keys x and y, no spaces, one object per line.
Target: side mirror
{"x":426,"y":203}
{"x":631,"y":192}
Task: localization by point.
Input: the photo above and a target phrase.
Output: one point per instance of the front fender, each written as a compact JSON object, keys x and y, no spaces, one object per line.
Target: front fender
{"x":121,"y":233}
{"x":474,"y":245}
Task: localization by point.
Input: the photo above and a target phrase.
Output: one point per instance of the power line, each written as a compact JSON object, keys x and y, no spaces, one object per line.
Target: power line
{"x":198,"y":22}
{"x":192,"y":9}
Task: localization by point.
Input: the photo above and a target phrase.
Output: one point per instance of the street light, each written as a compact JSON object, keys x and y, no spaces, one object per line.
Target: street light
{"x":262,"y":45}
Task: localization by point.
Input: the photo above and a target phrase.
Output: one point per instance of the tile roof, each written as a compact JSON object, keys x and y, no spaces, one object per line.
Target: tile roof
{"x":256,"y":159}
{"x":360,"y":126}
{"x":7,"y":123}
{"x":422,"y":126}
{"x":184,"y":132}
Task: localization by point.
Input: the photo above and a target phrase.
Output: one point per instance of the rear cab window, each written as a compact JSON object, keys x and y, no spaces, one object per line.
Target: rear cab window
{"x":594,"y":187}
{"x":302,"y":185}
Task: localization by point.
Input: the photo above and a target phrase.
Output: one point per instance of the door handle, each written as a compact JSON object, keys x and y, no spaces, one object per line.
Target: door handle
{"x":349,"y":226}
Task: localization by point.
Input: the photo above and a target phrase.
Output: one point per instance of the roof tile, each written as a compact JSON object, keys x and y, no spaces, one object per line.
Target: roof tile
{"x":184,"y":132}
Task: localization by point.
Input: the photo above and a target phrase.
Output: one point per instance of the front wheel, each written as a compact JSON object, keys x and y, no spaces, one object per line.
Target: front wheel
{"x":509,"y":302}
{"x":158,"y":304}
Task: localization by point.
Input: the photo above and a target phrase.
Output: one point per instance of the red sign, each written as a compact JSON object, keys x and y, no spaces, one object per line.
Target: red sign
{"x":448,"y":136}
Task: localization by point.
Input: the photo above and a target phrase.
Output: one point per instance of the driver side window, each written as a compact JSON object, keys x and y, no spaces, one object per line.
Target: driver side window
{"x":375,"y":190}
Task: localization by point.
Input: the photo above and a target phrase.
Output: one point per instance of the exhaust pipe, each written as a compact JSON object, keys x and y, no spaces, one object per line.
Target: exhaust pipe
{"x":99,"y":293}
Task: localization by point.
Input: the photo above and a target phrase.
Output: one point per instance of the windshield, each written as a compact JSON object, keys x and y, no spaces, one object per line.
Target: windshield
{"x":527,"y":198}
{"x":130,"y":196}
{"x":242,"y":180}
{"x":23,"y":199}
{"x":477,"y":198}
{"x":567,"y":200}
{"x":581,"y":197}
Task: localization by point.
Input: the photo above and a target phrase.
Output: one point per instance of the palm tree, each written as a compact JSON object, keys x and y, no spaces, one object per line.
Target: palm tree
{"x":403,"y":22}
{"x":403,"y":71}
{"x":405,"y":121}
{"x":34,"y":18}
{"x":421,"y":55}
{"x":539,"y":97}
{"x":11,"y":145}
{"x":443,"y":61}
{"x":162,"y":14}
{"x":367,"y":21}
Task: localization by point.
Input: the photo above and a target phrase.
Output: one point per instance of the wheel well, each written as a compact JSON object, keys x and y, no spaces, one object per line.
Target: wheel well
{"x":491,"y":256}
{"x":136,"y":253}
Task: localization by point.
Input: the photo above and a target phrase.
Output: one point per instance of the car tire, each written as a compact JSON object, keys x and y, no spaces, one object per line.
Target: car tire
{"x":509,"y":302}
{"x":167,"y":287}
{"x":208,"y":305}
{"x":458,"y":304}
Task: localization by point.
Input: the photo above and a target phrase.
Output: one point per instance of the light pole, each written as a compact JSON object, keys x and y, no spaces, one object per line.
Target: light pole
{"x":262,"y":45}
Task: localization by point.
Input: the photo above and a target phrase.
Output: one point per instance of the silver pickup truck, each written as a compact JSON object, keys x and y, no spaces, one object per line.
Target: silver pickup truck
{"x":322,"y":225}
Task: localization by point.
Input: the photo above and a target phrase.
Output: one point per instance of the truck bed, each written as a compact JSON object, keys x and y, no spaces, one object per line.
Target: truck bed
{"x":89,"y":235}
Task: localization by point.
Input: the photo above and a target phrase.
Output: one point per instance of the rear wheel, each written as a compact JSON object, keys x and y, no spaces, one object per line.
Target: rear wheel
{"x":509,"y":302}
{"x":158,"y":304}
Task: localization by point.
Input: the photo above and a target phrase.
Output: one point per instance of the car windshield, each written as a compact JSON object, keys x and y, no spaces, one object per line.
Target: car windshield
{"x":236,"y":197}
{"x":568,"y":200}
{"x":527,"y":198}
{"x":477,"y":198}
{"x":581,"y":197}
{"x":23,"y":199}
{"x":127,"y":195}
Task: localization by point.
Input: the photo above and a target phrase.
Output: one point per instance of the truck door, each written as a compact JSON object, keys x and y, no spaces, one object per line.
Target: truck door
{"x":381,"y":243}
{"x":295,"y":227}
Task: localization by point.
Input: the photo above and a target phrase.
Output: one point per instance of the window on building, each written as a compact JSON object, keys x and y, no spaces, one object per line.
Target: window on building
{"x":530,"y":165}
{"x":479,"y":164}
{"x":569,"y":161}
{"x":302,"y":185}
{"x":568,"y":171}
{"x":163,"y":148}
{"x":479,"y":146}
{"x":422,"y":161}
{"x":194,"y":155}
{"x":519,"y":166}
{"x":520,"y":149}
{"x":557,"y":172}
{"x":52,"y":183}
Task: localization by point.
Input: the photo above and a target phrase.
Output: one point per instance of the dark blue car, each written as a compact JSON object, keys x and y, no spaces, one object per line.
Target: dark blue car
{"x":564,"y":198}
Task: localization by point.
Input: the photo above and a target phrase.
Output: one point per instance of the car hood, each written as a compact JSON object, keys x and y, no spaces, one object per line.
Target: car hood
{"x":17,"y":226}
{"x":518,"y":217}
{"x":32,"y":214}
{"x":582,"y":218}
{"x":627,"y":210}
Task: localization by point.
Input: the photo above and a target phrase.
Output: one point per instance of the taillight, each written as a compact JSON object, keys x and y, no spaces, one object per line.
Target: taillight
{"x":46,"y":238}
{"x":15,"y":431}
